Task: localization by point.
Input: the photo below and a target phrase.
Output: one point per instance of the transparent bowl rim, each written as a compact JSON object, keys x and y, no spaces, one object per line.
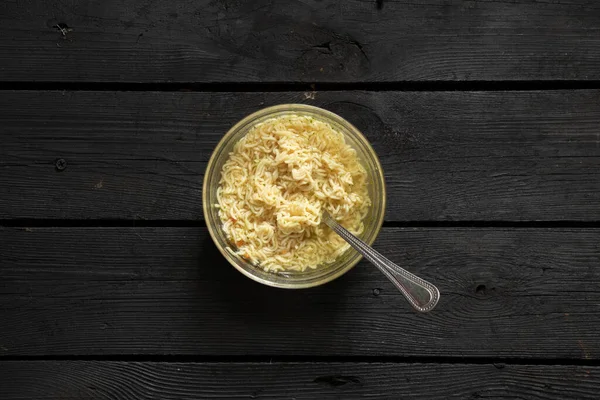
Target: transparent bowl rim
{"x":291,"y":107}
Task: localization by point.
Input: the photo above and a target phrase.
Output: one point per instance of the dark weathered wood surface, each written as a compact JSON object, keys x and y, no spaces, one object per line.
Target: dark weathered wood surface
{"x":493,"y":195}
{"x":507,"y":156}
{"x":301,"y":41}
{"x":530,"y":293}
{"x":47,"y":380}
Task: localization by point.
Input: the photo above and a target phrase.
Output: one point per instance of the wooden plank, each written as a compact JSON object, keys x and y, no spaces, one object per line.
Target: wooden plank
{"x":446,"y":155}
{"x":275,"y":41}
{"x":530,"y":293}
{"x":141,"y":380}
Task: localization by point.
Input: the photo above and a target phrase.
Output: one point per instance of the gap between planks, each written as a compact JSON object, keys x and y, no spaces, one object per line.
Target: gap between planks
{"x":126,"y":223}
{"x":499,"y":362}
{"x":400,"y":86}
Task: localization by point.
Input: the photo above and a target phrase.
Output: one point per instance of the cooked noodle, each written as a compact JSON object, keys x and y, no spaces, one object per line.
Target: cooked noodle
{"x":275,"y":184}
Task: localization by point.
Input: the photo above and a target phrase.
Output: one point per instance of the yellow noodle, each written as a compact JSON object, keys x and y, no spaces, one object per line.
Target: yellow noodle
{"x":276,"y":183}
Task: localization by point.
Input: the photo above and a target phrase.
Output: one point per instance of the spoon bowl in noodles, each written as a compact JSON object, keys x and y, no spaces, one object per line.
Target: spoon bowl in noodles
{"x":293,"y":216}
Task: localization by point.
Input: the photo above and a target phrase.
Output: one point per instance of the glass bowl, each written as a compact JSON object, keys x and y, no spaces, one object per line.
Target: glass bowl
{"x":325,"y":272}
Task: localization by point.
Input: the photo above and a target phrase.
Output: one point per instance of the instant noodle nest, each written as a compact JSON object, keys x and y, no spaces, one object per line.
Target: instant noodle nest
{"x":274,"y":186}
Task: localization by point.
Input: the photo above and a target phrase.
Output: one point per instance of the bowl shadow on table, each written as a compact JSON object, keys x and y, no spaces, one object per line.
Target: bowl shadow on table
{"x":299,"y":314}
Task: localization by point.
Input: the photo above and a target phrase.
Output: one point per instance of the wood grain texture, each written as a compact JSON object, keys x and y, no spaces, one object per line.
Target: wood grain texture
{"x":530,"y":293}
{"x":301,"y":41}
{"x":447,"y":156}
{"x":46,"y":380}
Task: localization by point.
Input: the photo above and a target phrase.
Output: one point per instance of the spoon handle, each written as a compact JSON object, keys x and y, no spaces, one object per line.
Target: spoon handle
{"x":422,"y":295}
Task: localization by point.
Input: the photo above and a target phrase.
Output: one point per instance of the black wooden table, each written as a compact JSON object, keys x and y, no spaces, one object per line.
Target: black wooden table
{"x":486,"y":117}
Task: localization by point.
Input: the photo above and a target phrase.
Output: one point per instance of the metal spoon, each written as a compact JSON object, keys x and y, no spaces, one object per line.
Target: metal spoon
{"x":422,"y":295}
